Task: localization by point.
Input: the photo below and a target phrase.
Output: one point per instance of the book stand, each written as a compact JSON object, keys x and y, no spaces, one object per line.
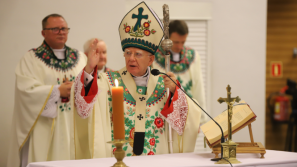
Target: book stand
{"x":243,"y":147}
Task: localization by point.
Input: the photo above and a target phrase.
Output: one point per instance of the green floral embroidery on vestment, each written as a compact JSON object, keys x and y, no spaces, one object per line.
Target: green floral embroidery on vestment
{"x":154,"y":124}
{"x":65,"y":107}
{"x":46,"y":55}
{"x":141,"y":90}
{"x":187,"y":56}
{"x":187,"y":87}
{"x":157,"y":95}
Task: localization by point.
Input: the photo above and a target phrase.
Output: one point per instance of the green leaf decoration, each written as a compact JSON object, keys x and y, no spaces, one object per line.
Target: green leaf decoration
{"x":129,"y":154}
{"x":148,"y":123}
{"x":149,"y":134}
{"x":147,"y":144}
{"x":127,"y":132}
{"x":125,"y":148}
{"x":156,"y":114}
{"x":188,"y":87}
{"x":144,"y":151}
{"x":129,"y":123}
{"x":157,"y":141}
{"x":154,"y":149}
{"x":179,"y":80}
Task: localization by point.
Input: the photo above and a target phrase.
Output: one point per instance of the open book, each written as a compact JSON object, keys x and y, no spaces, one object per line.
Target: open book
{"x":242,"y":116}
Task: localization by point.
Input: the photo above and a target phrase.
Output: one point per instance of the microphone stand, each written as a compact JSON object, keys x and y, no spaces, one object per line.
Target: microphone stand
{"x":222,"y":138}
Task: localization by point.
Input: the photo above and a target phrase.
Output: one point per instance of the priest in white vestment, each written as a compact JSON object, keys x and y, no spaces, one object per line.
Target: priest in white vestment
{"x":185,"y":63}
{"x":147,"y":110}
{"x":42,"y":118}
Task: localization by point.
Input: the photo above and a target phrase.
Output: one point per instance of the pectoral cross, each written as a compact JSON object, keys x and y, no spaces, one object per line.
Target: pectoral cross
{"x":230,"y":101}
{"x":139,"y":17}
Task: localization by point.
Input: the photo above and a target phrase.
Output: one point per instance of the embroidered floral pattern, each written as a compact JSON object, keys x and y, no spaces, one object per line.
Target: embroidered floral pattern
{"x":187,"y":87}
{"x":151,"y":153}
{"x":132,"y":133}
{"x":141,"y":90}
{"x":46,"y":55}
{"x":130,"y":111}
{"x":187,"y":57}
{"x":159,"y":122}
{"x":146,"y":24}
{"x":147,"y":32}
{"x":158,"y":94}
{"x":154,"y":124}
{"x":70,"y":78}
{"x":152,"y":141}
{"x":140,"y":31}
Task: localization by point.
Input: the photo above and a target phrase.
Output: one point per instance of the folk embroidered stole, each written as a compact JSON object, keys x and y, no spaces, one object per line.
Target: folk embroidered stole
{"x":140,"y":107}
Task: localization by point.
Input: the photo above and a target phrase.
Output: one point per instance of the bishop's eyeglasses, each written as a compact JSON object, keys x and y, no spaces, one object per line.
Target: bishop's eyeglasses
{"x":57,"y":30}
{"x":137,"y":54}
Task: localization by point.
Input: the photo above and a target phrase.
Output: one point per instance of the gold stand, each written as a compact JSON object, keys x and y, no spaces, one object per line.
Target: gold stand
{"x":229,"y":147}
{"x":243,"y":147}
{"x":229,"y":153}
{"x":119,"y":153}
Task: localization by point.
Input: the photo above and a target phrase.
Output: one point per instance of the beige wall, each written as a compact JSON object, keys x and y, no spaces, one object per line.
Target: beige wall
{"x":239,"y":58}
{"x":238,"y":34}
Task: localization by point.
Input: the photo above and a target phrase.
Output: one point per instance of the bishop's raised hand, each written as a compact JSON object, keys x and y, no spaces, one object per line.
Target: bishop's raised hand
{"x":93,"y":56}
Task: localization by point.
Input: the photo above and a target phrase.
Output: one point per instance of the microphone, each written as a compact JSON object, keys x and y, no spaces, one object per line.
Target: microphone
{"x":156,"y":72}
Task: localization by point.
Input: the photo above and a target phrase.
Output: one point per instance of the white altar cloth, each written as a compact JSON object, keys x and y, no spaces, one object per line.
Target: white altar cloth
{"x":272,"y":159}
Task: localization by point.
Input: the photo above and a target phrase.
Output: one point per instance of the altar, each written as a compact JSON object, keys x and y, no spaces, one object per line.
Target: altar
{"x":272,"y":159}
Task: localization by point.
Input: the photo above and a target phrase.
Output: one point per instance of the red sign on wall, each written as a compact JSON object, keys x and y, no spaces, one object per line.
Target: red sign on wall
{"x":276,"y":69}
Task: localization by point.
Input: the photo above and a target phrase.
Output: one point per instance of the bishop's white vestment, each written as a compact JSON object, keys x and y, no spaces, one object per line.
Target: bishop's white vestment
{"x":155,"y":113}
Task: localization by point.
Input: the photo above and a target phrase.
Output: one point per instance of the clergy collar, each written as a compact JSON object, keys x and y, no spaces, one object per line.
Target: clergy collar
{"x":176,"y":57}
{"x":60,"y":53}
{"x":47,"y":47}
{"x":142,"y":80}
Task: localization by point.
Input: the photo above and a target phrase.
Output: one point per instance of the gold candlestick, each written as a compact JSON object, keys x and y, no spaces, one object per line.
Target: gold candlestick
{"x":119,"y":153}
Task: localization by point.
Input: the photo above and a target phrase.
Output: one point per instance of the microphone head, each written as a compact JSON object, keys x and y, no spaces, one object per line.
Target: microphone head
{"x":155,"y":72}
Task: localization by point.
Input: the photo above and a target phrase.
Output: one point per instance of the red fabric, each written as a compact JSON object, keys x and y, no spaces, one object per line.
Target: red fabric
{"x":94,"y":87}
{"x":168,"y":108}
